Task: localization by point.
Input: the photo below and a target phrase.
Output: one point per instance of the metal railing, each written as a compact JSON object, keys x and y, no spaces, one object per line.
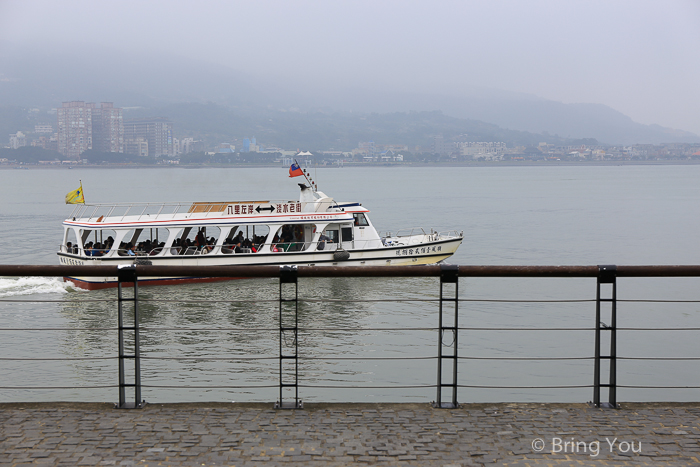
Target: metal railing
{"x":448,"y":322}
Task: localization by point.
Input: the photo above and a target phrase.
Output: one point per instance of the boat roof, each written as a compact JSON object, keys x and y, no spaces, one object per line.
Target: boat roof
{"x":153,"y":215}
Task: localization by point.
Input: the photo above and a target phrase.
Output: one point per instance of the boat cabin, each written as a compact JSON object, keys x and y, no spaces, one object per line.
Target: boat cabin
{"x":169,"y":230}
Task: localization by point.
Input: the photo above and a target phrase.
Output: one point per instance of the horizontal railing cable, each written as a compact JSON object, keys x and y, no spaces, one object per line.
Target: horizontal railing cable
{"x":659,"y":358}
{"x":29,"y":359}
{"x":87,"y":300}
{"x":58,"y":329}
{"x":249,"y":386}
{"x":658,"y":329}
{"x":576,"y":386}
{"x":411,"y":386}
{"x":523,"y":329}
{"x":107,"y":386}
{"x":656,"y":387}
{"x":524,"y":358}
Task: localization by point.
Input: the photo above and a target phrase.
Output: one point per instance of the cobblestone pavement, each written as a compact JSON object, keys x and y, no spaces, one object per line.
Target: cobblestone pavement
{"x":349,"y":434}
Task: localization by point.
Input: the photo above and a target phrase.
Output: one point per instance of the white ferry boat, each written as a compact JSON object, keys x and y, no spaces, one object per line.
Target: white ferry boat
{"x":315,"y":230}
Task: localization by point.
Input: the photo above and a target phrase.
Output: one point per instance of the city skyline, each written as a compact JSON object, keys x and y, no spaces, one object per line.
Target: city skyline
{"x":637,"y":57}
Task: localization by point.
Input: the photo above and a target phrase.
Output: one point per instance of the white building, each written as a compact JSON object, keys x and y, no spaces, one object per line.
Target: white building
{"x":18,"y":140}
{"x":487,"y":150}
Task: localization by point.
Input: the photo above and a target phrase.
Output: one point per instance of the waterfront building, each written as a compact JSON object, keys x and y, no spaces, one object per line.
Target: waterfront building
{"x":18,"y":140}
{"x":250,"y":145}
{"x":158,"y":132}
{"x":136,"y":147}
{"x":367,"y":148}
{"x":488,"y":150}
{"x":107,"y":128}
{"x":47,"y":142}
{"x":225,"y":148}
{"x":83,"y":126}
{"x":75,"y":128}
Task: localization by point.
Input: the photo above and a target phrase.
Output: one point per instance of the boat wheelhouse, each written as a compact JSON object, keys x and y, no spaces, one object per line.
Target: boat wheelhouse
{"x":315,"y":230}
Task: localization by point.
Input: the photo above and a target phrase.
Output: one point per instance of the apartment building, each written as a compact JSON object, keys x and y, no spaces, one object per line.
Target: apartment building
{"x":83,"y":126}
{"x":158,"y":132}
{"x":74,"y":128}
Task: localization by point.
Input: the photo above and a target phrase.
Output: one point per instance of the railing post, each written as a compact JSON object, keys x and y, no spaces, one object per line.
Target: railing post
{"x":449,"y":274}
{"x":288,"y":275}
{"x":125,"y":275}
{"x":606,"y":275}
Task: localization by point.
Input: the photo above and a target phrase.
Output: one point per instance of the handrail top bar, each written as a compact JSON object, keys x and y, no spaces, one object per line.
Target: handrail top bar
{"x":350,"y":271}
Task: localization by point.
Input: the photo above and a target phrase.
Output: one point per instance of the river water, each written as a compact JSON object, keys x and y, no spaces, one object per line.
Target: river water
{"x":529,"y":215}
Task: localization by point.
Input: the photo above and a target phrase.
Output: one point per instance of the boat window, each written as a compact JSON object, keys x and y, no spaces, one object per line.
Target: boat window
{"x":153,"y":241}
{"x":100,"y":243}
{"x":70,"y":244}
{"x":196,"y":241}
{"x":142,"y":242}
{"x":292,"y":237}
{"x":332,"y":234}
{"x":97,"y":242}
{"x":360,"y":219}
{"x":127,"y":245}
{"x":346,"y":233}
{"x":245,"y":239}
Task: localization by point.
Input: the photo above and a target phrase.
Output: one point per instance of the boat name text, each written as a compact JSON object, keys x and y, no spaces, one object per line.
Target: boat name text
{"x":418,"y":251}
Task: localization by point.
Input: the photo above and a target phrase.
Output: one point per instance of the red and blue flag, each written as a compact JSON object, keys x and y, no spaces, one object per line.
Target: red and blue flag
{"x":295,"y":170}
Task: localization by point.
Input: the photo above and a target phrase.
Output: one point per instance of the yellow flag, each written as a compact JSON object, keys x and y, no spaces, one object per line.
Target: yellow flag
{"x":76,"y":196}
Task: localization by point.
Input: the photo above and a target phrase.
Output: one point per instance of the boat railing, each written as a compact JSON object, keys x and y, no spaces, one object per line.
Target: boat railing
{"x":449,"y":234}
{"x":99,"y":211}
{"x":410,"y":232}
{"x":285,"y":247}
{"x":418,"y":235}
{"x":289,"y":247}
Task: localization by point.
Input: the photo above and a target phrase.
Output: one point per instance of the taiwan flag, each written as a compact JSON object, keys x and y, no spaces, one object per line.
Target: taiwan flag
{"x":295,"y":170}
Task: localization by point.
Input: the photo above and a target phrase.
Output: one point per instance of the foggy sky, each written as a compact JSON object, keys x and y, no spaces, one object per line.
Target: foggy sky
{"x":639,"y":57}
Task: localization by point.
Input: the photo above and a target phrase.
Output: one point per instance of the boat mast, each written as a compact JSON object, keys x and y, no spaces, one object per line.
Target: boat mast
{"x":307,"y":176}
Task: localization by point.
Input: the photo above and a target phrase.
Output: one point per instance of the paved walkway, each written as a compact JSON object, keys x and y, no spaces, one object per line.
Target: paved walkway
{"x":349,"y":434}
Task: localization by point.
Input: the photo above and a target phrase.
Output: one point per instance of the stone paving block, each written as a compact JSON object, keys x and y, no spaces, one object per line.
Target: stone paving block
{"x":343,"y":434}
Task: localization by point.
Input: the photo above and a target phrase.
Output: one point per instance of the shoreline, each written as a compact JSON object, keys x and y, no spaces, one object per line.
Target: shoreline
{"x":358,"y":164}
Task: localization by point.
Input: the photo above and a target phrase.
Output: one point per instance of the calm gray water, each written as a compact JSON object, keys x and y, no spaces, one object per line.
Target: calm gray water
{"x":546,"y":215}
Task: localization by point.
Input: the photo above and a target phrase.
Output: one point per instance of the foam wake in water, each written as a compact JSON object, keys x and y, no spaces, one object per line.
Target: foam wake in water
{"x":11,"y":287}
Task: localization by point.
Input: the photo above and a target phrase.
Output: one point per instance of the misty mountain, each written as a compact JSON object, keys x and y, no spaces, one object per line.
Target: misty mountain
{"x":519,"y":112}
{"x":48,"y":77}
{"x":318,"y":130}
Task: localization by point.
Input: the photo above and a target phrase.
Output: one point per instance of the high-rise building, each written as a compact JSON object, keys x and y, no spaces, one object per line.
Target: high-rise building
{"x":136,"y":147}
{"x":107,"y":128}
{"x":83,"y":126}
{"x":75,"y":128}
{"x":158,"y":132}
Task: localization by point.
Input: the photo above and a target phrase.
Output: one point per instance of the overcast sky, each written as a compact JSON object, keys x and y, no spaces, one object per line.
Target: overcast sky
{"x":639,"y":57}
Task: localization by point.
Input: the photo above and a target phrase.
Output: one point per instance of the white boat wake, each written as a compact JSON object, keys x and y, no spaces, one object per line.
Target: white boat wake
{"x":17,"y":286}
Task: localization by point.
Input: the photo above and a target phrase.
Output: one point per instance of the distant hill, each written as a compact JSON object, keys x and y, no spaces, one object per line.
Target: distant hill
{"x":30,"y":78}
{"x":316,"y":130}
{"x":520,"y":112}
